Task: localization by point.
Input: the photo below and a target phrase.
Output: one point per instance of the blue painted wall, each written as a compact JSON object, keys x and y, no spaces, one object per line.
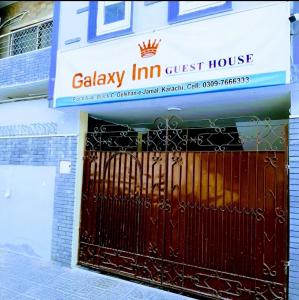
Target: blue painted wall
{"x":294,"y":208}
{"x":48,"y":151}
{"x":24,"y":68}
{"x":49,"y":137}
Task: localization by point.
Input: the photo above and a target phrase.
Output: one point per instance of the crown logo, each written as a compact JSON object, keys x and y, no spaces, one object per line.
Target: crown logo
{"x":149,"y":49}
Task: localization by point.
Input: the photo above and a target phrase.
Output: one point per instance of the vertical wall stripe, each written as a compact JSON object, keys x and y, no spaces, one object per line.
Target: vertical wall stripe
{"x":54,"y":48}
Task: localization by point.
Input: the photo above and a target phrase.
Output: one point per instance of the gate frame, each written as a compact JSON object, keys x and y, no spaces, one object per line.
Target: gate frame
{"x":140,"y":141}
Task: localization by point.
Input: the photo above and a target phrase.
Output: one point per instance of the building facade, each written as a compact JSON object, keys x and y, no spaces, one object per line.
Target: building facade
{"x":221,"y":78}
{"x":34,"y":138}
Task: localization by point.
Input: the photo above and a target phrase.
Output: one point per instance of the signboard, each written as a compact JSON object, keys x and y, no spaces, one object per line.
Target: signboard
{"x":240,"y":50}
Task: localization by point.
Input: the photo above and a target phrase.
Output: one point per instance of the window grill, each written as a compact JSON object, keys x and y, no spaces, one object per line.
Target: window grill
{"x":26,"y":39}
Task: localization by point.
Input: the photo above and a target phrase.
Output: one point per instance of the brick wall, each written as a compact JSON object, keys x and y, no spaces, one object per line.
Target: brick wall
{"x":294,"y":208}
{"x":49,"y":151}
{"x":23,"y":68}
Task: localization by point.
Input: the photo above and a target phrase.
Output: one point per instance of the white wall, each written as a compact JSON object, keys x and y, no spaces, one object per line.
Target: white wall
{"x":37,"y":111}
{"x":26,"y":209}
{"x":27,"y":192}
{"x":145,"y":18}
{"x":295,"y":101}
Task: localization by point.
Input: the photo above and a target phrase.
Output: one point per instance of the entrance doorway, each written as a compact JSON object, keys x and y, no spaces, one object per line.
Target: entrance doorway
{"x":201,"y":209}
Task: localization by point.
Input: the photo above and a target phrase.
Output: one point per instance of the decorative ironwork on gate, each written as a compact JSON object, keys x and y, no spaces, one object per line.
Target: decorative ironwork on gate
{"x":209,"y":219}
{"x":174,"y":134}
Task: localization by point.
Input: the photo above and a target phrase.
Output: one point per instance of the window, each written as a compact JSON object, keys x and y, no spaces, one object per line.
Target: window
{"x":109,"y":19}
{"x":32,"y":38}
{"x":23,"y":41}
{"x":45,"y":35}
{"x":186,"y":10}
{"x":114,"y":12}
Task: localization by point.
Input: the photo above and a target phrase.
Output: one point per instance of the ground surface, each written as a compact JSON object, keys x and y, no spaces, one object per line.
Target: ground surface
{"x":25,"y":278}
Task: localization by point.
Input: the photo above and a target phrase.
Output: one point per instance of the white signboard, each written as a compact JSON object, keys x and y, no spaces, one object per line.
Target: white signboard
{"x":240,"y":50}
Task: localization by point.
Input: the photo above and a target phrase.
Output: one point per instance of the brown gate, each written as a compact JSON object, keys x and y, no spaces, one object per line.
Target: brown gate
{"x":208,"y":222}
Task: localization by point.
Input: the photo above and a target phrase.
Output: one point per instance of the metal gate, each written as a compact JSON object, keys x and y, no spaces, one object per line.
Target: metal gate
{"x":189,"y":209}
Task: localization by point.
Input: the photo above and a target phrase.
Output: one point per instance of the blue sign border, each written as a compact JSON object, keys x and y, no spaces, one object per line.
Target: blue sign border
{"x":186,"y":88}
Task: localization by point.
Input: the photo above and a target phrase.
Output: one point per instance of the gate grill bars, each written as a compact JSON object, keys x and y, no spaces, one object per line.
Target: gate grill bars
{"x":200,"y":209}
{"x":173,"y":134}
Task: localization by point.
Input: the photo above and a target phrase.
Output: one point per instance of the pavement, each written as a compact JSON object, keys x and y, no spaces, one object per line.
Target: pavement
{"x":25,"y":278}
